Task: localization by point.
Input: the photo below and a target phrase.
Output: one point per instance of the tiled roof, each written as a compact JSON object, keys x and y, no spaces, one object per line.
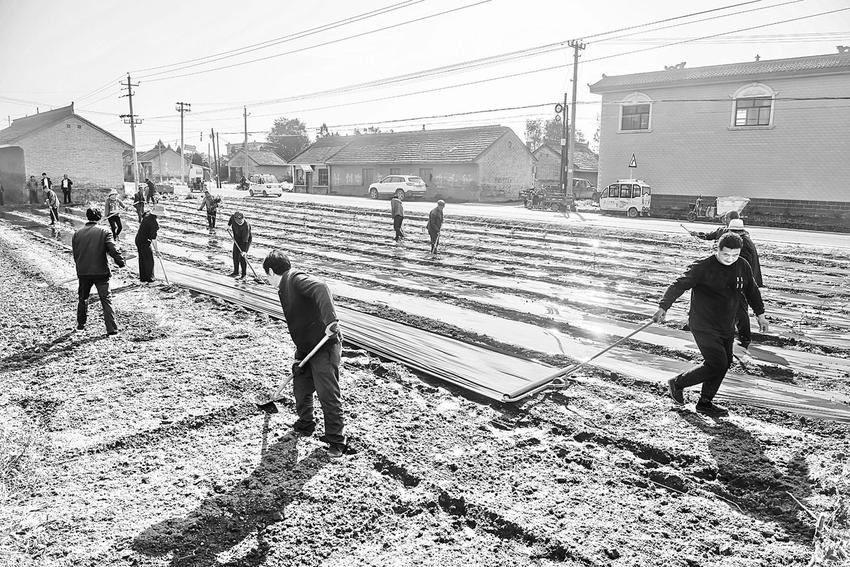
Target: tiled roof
{"x":320,"y":151}
{"x":259,"y":157}
{"x":585,"y":158}
{"x":421,"y":146}
{"x":153,"y":154}
{"x":818,"y":64}
{"x":22,"y":127}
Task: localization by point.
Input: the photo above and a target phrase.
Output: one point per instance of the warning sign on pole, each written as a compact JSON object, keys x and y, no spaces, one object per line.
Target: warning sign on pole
{"x":633,"y":161}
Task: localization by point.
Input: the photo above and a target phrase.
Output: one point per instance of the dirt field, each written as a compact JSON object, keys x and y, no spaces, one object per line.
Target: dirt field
{"x":145,"y":449}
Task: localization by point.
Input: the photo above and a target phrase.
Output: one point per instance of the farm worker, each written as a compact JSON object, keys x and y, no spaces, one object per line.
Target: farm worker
{"x":52,"y":202}
{"x":66,"y":189}
{"x":112,"y":214}
{"x":146,"y":234}
{"x":242,"y":237}
{"x":151,"y":197}
{"x":397,"y":211}
{"x":46,"y":183}
{"x":309,"y":310}
{"x":139,"y":201}
{"x":211,"y":204}
{"x":32,"y":189}
{"x":748,"y":253}
{"x":90,"y":246}
{"x":435,"y":224}
{"x":715,"y":282}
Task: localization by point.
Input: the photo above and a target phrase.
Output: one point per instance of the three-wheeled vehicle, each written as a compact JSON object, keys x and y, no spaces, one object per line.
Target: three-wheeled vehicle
{"x":630,"y":196}
{"x":706,"y":209}
{"x":545,"y":198}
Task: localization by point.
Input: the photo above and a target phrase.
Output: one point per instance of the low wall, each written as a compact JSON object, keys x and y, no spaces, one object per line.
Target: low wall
{"x":781,"y":213}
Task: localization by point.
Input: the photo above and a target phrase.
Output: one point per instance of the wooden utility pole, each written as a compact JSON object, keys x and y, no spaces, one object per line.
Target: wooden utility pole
{"x":577,"y":46}
{"x":131,"y":118}
{"x":182,"y":108}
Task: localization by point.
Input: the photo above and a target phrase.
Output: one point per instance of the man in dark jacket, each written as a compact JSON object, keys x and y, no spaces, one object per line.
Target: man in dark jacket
{"x":90,"y":246}
{"x":397,"y":211}
{"x":66,"y":189}
{"x":139,"y":201}
{"x":435,"y":224}
{"x":151,"y":197}
{"x":46,"y":183}
{"x":242,"y":238}
{"x":148,"y":228}
{"x":211,"y":204}
{"x":715,"y":282}
{"x":748,"y":253}
{"x":309,"y":311}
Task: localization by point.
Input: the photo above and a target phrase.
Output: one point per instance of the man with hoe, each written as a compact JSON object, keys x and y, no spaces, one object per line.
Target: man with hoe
{"x":309,"y":310}
{"x":715,"y":283}
{"x":435,"y":224}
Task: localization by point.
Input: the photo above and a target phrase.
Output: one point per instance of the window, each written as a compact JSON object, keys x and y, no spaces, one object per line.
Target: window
{"x":752,"y":106}
{"x":79,"y":126}
{"x":395,"y":171}
{"x":753,"y":111}
{"x":299,"y":176}
{"x":323,"y":176}
{"x":635,"y":117}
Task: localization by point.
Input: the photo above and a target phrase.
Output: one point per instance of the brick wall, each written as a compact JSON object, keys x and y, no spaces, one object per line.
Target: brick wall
{"x":802,"y":159}
{"x":454,"y":182}
{"x":548,"y":166}
{"x":505,"y":169}
{"x":91,"y":159}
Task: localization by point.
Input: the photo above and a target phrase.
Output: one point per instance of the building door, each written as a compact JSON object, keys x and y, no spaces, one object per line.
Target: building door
{"x":309,"y":176}
{"x":368,"y":176}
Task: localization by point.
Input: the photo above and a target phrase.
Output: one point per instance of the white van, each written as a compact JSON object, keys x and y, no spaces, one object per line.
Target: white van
{"x":630,"y":196}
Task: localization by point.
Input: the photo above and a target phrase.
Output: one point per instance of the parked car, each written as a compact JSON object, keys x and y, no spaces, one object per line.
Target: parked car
{"x":264,"y":184}
{"x":405,"y":186}
{"x":584,"y":189}
{"x":630,"y":196}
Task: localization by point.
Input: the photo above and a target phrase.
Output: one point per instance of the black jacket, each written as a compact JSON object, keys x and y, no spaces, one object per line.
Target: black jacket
{"x":435,"y":219}
{"x":147,"y":230}
{"x":714,"y":295}
{"x":308,"y":307}
{"x":90,"y":245}
{"x":748,"y":250}
{"x":241,"y":232}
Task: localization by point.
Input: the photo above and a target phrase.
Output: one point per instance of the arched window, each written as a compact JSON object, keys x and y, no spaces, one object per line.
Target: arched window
{"x":636,"y":113}
{"x":752,"y":106}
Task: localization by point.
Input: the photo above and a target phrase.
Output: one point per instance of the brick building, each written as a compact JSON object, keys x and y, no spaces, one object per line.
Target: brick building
{"x":58,"y":142}
{"x":259,"y":161}
{"x":160,"y":163}
{"x":548,"y":166}
{"x":488,"y":163}
{"x":770,"y":130}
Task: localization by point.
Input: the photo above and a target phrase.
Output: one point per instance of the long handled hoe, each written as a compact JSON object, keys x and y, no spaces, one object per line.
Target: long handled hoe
{"x":161,"y":265}
{"x":257,"y":278}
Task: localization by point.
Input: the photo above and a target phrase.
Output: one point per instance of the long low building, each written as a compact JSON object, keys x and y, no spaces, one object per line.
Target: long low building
{"x":775,"y":131}
{"x":487,"y":163}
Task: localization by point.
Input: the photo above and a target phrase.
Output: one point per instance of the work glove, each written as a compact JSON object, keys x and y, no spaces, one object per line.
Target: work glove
{"x":333,"y":329}
{"x":296,"y":370}
{"x":120,"y":263}
{"x":658,"y":316}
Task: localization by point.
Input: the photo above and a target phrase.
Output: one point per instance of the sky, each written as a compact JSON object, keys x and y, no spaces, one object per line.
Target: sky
{"x":279,"y":58}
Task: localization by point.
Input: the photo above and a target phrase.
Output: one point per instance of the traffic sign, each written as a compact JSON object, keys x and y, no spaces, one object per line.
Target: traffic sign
{"x":633,"y":161}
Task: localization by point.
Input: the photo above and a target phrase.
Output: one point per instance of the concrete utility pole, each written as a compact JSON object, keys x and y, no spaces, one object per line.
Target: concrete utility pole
{"x":182,"y":108}
{"x":245,"y":146}
{"x":218,"y":157}
{"x":132,"y":120}
{"x":561,"y":177}
{"x":577,"y":46}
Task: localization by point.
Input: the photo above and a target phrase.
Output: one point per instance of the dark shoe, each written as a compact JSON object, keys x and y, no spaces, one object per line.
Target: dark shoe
{"x":711,"y":410}
{"x":242,"y":277}
{"x":233,"y":274}
{"x":80,"y":327}
{"x":678,"y":394}
{"x":335,"y":450}
{"x":302,"y":429}
{"x":111,"y":333}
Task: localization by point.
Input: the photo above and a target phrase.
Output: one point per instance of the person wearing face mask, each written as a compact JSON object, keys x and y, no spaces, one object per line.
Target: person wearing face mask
{"x":715,"y":283}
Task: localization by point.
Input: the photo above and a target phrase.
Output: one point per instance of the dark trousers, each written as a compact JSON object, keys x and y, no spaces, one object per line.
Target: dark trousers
{"x":115,"y":225}
{"x":320,"y":375}
{"x":102,"y":285}
{"x":717,"y":358}
{"x":54,"y":214}
{"x":146,"y":263}
{"x":211,"y":219}
{"x":34,"y":200}
{"x":435,"y":239}
{"x":66,"y":196}
{"x":397,"y":220}
{"x":139,"y":209}
{"x":238,"y":258}
{"x":742,"y":322}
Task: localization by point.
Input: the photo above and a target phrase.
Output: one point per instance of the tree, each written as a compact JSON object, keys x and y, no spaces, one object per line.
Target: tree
{"x":288,"y":136}
{"x":553,"y":131}
{"x":197,"y":159}
{"x":533,"y":134}
{"x":369,"y":130}
{"x":323,"y":131}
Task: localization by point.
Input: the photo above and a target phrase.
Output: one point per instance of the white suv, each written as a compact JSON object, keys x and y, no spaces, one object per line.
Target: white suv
{"x":264,"y":184}
{"x":405,"y":186}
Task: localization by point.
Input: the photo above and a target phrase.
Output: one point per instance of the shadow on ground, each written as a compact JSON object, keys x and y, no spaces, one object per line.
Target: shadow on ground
{"x":223,"y":520}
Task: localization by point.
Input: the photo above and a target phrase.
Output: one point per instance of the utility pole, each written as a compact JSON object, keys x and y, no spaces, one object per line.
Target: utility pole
{"x":132,"y":120}
{"x":563,"y":168}
{"x":218,"y":157}
{"x":577,"y":46}
{"x":159,"y":147}
{"x":245,"y":146}
{"x":182,"y":108}
{"x":214,"y":158}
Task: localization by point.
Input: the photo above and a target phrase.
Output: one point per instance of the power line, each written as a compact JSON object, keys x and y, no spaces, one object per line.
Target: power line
{"x":329,"y":42}
{"x":283,"y":39}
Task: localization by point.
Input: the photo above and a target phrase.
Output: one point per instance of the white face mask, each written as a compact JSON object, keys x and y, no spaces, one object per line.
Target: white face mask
{"x":274,"y":279}
{"x":728,"y":256}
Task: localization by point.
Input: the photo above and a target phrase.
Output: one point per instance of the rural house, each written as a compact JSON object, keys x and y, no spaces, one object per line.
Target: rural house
{"x":771,"y":130}
{"x":57,"y":142}
{"x":547,"y":168}
{"x":259,"y":161}
{"x":488,"y":163}
{"x":159,"y":163}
